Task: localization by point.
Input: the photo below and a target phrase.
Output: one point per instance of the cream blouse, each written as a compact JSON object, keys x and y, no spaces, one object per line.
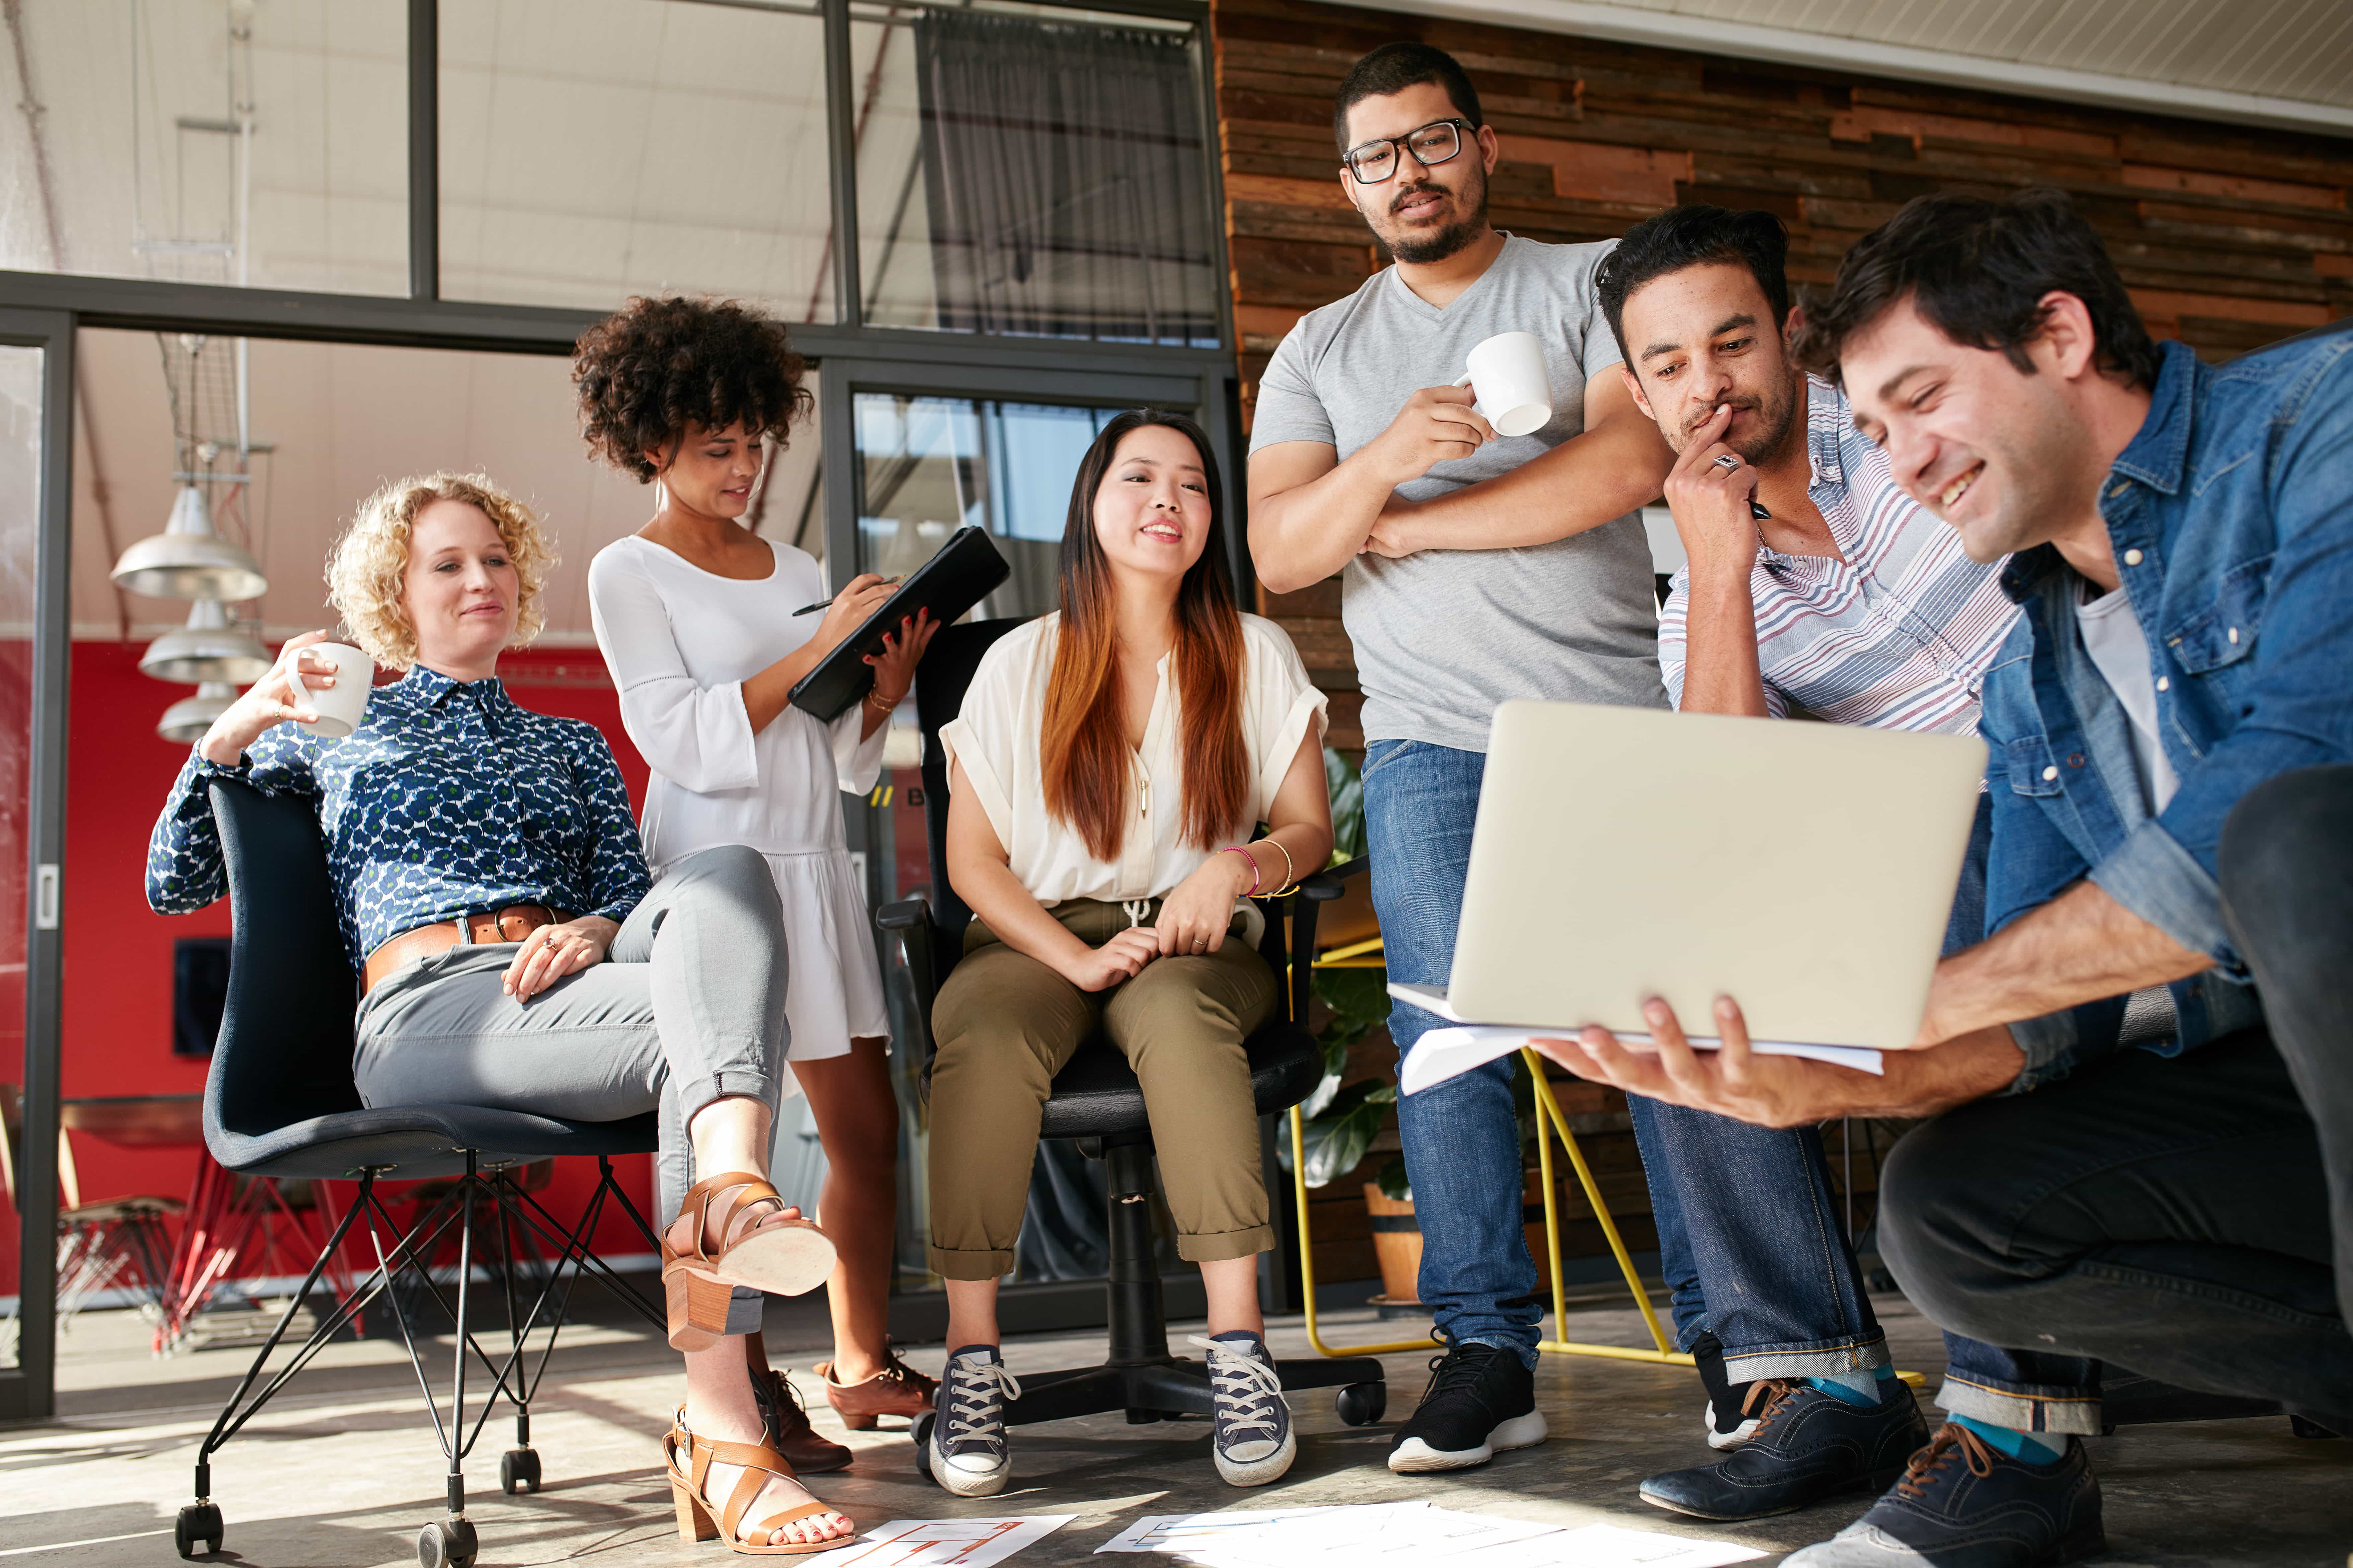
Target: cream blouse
{"x":996,"y":737}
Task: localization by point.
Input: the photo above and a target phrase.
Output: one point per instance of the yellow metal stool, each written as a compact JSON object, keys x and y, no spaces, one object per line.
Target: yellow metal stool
{"x":1551,"y":1124}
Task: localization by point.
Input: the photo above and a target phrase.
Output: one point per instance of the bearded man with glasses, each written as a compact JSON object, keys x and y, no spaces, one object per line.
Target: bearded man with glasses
{"x":1477,"y":568}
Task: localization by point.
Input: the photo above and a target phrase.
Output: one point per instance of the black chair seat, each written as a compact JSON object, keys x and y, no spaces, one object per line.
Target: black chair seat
{"x":420,"y":1141}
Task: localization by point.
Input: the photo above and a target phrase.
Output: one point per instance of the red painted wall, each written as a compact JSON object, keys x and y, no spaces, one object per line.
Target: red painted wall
{"x":117,"y":952}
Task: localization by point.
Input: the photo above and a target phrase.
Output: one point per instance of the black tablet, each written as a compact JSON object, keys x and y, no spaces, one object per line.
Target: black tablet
{"x":964,"y":571}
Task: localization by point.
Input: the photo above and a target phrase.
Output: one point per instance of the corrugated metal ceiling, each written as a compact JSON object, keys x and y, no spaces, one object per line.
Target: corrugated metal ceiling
{"x":2300,"y":50}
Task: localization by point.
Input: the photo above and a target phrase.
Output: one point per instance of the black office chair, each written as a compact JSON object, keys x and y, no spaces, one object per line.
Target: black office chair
{"x":1097,"y":1101}
{"x":279,"y":1102}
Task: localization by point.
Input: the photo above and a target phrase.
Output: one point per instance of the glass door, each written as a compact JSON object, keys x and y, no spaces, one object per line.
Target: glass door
{"x":35,"y":372}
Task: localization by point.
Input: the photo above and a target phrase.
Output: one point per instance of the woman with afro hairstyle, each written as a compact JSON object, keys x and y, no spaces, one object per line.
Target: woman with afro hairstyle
{"x":695,"y":616}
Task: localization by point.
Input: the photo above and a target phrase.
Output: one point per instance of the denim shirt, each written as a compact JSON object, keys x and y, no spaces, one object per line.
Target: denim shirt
{"x":2230,"y":515}
{"x":448,"y":799}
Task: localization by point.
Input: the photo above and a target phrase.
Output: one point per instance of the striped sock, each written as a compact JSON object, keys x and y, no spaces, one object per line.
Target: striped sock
{"x":1865,"y":1390}
{"x":2030,"y":1447}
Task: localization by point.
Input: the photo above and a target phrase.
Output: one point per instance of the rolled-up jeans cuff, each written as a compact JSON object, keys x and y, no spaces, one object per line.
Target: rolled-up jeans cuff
{"x":693,"y":1094}
{"x":2022,"y":1407}
{"x":1750,"y":1362}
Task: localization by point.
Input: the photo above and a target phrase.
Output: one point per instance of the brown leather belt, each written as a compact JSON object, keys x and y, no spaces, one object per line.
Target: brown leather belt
{"x":512,"y":923}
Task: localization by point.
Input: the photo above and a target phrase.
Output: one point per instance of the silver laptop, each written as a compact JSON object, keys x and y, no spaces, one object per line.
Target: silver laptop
{"x":1807,"y":870}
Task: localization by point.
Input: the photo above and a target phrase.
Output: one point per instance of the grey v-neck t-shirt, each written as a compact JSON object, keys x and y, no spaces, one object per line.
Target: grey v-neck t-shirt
{"x":1442,"y":636}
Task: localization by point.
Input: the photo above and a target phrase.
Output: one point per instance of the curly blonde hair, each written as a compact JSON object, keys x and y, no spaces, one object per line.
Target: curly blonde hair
{"x":365,"y":568}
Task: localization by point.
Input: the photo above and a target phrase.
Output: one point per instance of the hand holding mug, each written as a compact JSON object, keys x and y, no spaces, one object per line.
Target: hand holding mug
{"x":1437,"y":424}
{"x":284,"y":695}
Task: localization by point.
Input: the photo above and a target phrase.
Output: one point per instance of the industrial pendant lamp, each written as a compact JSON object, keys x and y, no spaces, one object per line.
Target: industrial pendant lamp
{"x":186,"y":720}
{"x":189,"y":560}
{"x":208,"y":649}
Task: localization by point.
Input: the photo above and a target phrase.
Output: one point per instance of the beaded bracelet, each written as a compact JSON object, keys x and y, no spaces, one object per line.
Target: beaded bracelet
{"x":1246,"y":855}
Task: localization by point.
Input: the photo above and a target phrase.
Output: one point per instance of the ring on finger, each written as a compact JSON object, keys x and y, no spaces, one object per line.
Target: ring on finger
{"x":1727,"y":461}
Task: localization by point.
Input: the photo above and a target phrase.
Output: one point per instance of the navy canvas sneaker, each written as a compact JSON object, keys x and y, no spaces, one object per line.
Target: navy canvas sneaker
{"x":1961,"y":1504}
{"x":1252,"y":1438}
{"x":1808,"y":1446}
{"x":1481,"y":1402}
{"x":969,"y":1454}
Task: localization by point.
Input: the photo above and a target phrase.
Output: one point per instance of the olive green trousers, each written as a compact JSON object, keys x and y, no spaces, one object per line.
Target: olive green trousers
{"x":1005,"y":1024}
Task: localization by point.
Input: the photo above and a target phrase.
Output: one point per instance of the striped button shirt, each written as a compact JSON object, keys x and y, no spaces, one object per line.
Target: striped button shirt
{"x":1898,"y":635}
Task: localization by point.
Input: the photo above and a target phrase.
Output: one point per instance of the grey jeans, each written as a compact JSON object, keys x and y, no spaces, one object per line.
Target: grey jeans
{"x":688,"y":1007}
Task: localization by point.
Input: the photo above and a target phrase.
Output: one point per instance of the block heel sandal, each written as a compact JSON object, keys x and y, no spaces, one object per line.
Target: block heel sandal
{"x":697,"y":1522}
{"x":779,"y":1256}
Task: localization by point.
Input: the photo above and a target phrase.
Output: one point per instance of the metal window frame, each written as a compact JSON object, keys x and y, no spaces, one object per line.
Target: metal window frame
{"x":48,"y":309}
{"x":27,"y":1389}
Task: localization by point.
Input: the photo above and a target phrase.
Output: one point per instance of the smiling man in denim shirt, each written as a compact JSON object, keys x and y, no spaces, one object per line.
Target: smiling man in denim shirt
{"x":2183,"y":560}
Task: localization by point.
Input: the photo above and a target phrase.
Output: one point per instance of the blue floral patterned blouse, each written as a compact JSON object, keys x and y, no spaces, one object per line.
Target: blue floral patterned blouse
{"x":449,"y":798}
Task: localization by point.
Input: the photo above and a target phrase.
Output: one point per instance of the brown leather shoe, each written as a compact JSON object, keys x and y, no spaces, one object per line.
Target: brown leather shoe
{"x":789,"y":1432}
{"x":897,"y":1390}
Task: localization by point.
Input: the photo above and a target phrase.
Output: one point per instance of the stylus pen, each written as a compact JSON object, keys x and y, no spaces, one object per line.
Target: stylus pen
{"x":821,"y":604}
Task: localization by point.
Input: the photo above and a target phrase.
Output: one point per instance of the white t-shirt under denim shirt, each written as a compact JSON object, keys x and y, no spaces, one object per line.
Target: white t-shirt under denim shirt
{"x":2119,"y":650}
{"x":996,"y":736}
{"x":1444,"y":635}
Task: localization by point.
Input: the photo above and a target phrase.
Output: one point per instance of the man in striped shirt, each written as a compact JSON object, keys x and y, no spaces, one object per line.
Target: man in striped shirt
{"x":1814,"y":585}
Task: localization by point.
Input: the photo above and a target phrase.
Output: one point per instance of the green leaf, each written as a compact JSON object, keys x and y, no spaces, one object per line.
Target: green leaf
{"x":1392,"y":1183}
{"x":1347,"y":793}
{"x":1359,"y":995}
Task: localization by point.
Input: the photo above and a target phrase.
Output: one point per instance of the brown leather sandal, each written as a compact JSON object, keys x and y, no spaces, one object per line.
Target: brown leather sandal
{"x":789,"y":1430}
{"x":693,"y":1502}
{"x":771,"y":1253}
{"x":897,"y":1390}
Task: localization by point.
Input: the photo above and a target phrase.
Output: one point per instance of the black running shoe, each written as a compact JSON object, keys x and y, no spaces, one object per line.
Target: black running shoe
{"x":1726,"y":1420}
{"x":1962,"y":1504}
{"x":1808,"y":1446}
{"x":1481,"y":1402}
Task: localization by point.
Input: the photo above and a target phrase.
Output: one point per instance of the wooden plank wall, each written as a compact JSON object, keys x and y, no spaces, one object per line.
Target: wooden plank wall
{"x":2230,"y":237}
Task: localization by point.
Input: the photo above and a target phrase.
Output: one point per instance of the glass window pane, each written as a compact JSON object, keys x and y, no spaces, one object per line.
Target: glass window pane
{"x":1034,"y":171}
{"x":211,"y":142}
{"x":594,"y":149}
{"x":20,"y":512}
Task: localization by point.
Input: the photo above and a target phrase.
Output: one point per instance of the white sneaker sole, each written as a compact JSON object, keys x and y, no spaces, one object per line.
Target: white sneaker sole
{"x":966,"y":1483}
{"x":1724,"y":1442}
{"x":1258,"y":1472}
{"x":1413,"y":1456}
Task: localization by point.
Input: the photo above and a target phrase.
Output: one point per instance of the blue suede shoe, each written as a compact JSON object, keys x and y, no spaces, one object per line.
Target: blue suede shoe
{"x":1962,"y":1505}
{"x":1808,"y":1446}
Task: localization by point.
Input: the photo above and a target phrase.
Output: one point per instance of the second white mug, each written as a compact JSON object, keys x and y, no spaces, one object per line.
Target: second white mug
{"x":1515,"y":390}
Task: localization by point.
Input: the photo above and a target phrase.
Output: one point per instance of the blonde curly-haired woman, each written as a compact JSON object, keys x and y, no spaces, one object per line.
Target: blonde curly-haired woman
{"x":515,"y":953}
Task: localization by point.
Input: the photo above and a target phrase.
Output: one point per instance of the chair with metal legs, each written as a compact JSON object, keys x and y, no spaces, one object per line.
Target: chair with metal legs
{"x":280,"y":1101}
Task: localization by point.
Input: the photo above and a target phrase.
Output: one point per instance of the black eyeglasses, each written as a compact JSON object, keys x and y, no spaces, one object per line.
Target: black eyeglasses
{"x":1375,"y":160}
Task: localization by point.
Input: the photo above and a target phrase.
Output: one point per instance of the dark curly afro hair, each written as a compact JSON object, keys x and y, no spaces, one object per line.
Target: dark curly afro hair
{"x":656,"y":366}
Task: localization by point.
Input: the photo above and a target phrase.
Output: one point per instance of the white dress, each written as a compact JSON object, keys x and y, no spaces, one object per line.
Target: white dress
{"x":680,"y":642}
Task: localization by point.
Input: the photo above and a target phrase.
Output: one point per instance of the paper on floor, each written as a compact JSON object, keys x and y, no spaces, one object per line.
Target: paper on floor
{"x":945,"y":1542}
{"x":1608,"y":1546}
{"x":1179,"y":1533}
{"x":1442,"y":1053}
{"x":1378,"y":1534}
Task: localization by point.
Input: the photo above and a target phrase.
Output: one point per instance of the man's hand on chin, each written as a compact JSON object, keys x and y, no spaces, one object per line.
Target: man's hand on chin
{"x":1783,"y":1091}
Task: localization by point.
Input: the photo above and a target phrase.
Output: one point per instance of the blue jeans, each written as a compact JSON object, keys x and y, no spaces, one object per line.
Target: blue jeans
{"x":1763,"y":1238}
{"x":1461,"y":1137}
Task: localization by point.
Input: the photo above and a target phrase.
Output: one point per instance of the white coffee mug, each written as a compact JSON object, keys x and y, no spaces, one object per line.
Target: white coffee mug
{"x":1515,"y":391}
{"x":340,"y":706}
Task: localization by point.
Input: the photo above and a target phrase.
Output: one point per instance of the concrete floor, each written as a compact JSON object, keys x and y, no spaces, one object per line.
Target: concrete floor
{"x":341,"y":1469}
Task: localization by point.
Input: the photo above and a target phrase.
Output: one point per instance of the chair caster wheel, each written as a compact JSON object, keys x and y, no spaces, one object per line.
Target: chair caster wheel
{"x":922,"y":1433}
{"x":519,"y":1470}
{"x":199,"y":1521}
{"x":447,"y":1543}
{"x":1362,"y":1403}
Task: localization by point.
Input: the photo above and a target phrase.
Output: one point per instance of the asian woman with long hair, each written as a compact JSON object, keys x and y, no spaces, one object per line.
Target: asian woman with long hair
{"x":1108,"y":770}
